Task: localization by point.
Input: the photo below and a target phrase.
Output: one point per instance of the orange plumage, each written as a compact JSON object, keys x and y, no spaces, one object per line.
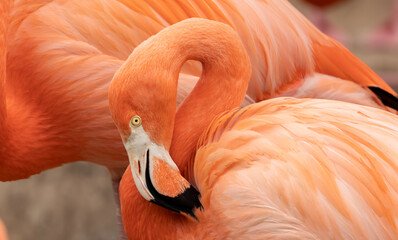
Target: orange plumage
{"x":279,"y":169}
{"x":63,"y":54}
{"x":285,"y":168}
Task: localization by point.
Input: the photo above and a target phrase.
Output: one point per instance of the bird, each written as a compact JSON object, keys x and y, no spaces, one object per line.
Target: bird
{"x":62,"y":55}
{"x":282,"y":168}
{"x":3,"y":232}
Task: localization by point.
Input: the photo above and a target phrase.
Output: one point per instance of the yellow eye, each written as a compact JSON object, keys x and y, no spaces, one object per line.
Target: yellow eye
{"x":135,"y":121}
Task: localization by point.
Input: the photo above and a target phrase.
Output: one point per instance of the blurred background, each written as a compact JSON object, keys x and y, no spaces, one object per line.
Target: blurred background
{"x":76,"y":201}
{"x":369,"y":28}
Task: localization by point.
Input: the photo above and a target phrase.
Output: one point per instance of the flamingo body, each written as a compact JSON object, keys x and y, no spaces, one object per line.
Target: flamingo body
{"x":306,"y":168}
{"x":281,"y":168}
{"x":285,"y":168}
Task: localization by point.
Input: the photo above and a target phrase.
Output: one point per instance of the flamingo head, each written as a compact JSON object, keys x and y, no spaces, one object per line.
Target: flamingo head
{"x":156,"y":175}
{"x":146,"y":124}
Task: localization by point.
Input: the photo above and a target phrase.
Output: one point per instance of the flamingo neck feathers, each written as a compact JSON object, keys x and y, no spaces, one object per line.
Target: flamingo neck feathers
{"x":4,"y":19}
{"x":22,"y":136}
{"x":4,"y":24}
{"x":274,"y":33}
{"x":151,"y":73}
{"x":145,"y":220}
{"x":222,"y":87}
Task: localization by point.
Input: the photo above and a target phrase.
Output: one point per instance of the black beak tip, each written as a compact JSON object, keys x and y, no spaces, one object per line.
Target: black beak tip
{"x":192,"y":195}
{"x":186,"y":202}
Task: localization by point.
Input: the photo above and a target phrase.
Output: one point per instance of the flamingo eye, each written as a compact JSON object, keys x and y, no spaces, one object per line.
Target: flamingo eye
{"x":135,"y":121}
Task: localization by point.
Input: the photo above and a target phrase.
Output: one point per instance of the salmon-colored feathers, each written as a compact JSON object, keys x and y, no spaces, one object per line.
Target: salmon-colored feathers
{"x":281,"y":168}
{"x":59,"y":68}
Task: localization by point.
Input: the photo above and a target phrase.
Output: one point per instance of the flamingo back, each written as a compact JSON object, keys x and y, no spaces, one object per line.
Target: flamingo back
{"x":283,"y":45}
{"x":300,"y":169}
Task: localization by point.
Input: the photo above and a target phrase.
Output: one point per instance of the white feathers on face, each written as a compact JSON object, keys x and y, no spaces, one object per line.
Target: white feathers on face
{"x":138,"y":145}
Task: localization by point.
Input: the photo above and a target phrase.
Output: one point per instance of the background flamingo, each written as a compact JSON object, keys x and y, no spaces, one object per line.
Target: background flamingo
{"x":282,"y":168}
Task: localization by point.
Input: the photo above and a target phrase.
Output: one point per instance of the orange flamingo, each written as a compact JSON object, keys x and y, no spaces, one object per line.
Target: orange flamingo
{"x":282,"y":168}
{"x":63,"y":54}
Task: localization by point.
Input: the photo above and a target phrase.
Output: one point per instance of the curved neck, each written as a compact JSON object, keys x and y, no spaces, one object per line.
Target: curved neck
{"x":22,"y":141}
{"x":222,"y":87}
{"x":150,"y":75}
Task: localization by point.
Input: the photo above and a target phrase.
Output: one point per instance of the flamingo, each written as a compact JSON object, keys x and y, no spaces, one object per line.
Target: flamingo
{"x":284,"y":168}
{"x":62,"y":56}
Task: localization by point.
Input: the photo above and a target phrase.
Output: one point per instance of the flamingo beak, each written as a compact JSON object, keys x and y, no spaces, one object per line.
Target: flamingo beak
{"x":157,"y":176}
{"x":177,"y":194}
